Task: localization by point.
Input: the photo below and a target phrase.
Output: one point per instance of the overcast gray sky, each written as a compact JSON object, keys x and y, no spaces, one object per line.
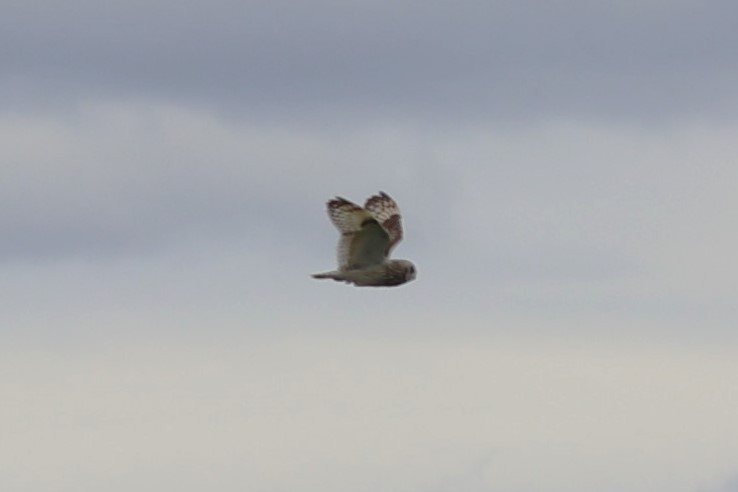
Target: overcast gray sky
{"x":567,"y":174}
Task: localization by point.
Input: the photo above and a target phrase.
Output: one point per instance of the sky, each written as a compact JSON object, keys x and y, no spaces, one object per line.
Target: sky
{"x":566,"y":172}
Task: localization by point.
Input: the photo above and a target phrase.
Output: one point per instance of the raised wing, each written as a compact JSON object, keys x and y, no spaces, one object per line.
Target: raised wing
{"x":368,"y":246}
{"x":346,"y":216}
{"x":355,"y":245}
{"x":387,"y":214}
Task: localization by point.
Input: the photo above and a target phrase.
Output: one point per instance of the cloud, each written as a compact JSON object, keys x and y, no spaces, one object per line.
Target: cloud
{"x":480,"y":60}
{"x":365,"y":413}
{"x":553,"y":219}
{"x":120,"y":174}
{"x":567,"y":182}
{"x":729,"y":485}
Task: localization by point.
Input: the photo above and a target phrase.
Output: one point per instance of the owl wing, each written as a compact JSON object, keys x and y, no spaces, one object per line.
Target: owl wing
{"x":386,"y":212}
{"x":368,"y":245}
{"x":363,"y":240}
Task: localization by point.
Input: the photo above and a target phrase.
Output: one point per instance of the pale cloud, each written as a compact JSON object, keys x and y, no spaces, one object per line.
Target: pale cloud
{"x":556,"y":219}
{"x":729,"y":485}
{"x":359,"y":413}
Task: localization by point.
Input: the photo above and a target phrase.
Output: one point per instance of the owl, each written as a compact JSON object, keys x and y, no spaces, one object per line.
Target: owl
{"x":368,"y":235}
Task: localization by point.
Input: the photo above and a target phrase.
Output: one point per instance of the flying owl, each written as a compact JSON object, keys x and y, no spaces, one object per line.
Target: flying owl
{"x":368,"y":235}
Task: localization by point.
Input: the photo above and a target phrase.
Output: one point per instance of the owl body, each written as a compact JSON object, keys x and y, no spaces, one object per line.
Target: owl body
{"x":368,"y":235}
{"x":386,"y":274}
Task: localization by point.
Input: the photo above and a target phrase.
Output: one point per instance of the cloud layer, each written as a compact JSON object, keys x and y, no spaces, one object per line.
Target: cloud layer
{"x":486,"y":60}
{"x":567,"y":179}
{"x":330,"y":414}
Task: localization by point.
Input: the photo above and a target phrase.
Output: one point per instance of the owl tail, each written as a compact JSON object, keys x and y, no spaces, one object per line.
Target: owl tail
{"x":335,"y":275}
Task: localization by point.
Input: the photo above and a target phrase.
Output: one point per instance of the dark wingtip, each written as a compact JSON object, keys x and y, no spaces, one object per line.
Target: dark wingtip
{"x":339,"y":199}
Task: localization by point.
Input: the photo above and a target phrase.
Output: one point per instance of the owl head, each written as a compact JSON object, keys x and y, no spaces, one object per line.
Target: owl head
{"x":406,"y":269}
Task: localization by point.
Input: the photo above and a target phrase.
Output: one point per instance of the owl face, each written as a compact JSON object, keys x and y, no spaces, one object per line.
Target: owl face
{"x":407,"y":268}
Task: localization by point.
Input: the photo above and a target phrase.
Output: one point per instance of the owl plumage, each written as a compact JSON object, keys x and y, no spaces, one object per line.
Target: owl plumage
{"x":368,"y":235}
